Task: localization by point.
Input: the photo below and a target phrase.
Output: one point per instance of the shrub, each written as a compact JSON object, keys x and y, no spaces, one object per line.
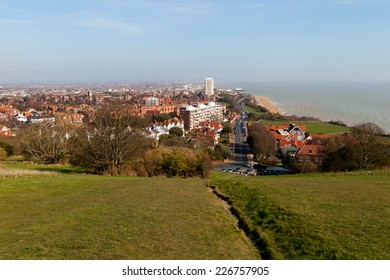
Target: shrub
{"x":176,"y":131}
{"x":8,"y":148}
{"x":176,"y":162}
{"x":3,"y":154}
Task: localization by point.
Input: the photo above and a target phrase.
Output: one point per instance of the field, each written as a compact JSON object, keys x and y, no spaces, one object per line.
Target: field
{"x":249,"y":109}
{"x":66,"y":215}
{"x":314,"y":127}
{"x":77,"y":216}
{"x":318,"y":216}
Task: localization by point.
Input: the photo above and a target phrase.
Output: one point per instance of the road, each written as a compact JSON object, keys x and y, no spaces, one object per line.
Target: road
{"x":240,"y":151}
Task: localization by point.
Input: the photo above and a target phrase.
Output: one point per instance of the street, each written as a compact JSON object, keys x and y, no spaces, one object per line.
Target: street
{"x":239,"y":160}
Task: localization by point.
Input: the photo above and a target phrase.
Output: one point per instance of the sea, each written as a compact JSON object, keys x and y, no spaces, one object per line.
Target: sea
{"x":349,"y":102}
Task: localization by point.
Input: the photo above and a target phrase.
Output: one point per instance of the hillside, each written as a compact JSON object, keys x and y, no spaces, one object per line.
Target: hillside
{"x":316,"y":216}
{"x":76,"y":216}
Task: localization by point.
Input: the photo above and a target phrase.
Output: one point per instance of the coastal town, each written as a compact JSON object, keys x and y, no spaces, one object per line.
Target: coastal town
{"x":190,"y":107}
{"x":215,"y":119}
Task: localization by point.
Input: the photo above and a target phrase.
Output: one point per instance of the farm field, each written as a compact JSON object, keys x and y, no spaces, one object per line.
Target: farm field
{"x":78,"y":216}
{"x":316,"y":216}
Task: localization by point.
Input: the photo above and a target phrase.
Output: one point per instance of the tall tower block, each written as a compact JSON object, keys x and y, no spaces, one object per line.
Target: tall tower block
{"x":209,"y":86}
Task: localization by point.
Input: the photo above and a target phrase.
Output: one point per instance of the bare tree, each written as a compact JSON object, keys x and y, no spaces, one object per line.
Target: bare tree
{"x":109,"y":142}
{"x":44,"y":144}
{"x":368,"y":146}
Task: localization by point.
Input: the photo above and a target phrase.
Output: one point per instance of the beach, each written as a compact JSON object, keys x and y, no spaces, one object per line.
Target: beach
{"x":267,"y":103}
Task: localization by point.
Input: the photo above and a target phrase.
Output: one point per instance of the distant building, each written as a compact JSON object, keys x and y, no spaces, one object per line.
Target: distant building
{"x":209,"y":86}
{"x":192,"y":115}
{"x":152,"y":101}
{"x":207,"y":130}
{"x":5,"y":131}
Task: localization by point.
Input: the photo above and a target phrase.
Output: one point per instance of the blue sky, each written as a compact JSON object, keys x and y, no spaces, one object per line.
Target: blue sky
{"x":174,"y":40}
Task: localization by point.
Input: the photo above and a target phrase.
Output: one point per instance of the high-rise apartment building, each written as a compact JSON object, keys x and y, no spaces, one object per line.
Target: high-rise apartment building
{"x":192,"y":115}
{"x":209,"y":86}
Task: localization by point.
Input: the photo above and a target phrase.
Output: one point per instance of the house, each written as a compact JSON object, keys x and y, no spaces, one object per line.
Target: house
{"x":311,"y":153}
{"x":174,"y":122}
{"x":157,"y":129}
{"x":41,"y":118}
{"x":319,"y":139}
{"x":5,"y":131}
{"x":21,"y":117}
{"x":207,"y":130}
{"x":288,"y":137}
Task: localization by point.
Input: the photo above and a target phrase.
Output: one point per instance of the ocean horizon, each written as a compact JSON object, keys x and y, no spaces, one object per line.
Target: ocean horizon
{"x":349,"y":102}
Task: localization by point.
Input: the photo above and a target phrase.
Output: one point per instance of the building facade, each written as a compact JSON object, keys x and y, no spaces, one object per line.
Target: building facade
{"x":152,"y":101}
{"x":192,"y":115}
{"x":209,"y":86}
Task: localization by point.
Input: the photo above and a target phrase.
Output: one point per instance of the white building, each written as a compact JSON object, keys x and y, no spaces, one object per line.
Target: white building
{"x":152,"y":101}
{"x":209,"y":86}
{"x":193,"y":115}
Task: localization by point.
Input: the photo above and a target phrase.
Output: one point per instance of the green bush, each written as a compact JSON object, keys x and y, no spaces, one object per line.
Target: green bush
{"x":3,"y":154}
{"x":9,"y":149}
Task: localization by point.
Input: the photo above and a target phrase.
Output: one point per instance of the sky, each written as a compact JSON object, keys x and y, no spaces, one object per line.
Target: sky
{"x":76,"y":41}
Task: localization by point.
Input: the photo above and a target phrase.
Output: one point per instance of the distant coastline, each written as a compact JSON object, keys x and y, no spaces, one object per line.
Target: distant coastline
{"x":267,"y":103}
{"x":348,"y":102}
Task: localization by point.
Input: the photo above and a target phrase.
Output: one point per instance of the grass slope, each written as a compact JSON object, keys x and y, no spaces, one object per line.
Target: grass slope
{"x":77,"y":216}
{"x":317,"y":216}
{"x":314,"y":127}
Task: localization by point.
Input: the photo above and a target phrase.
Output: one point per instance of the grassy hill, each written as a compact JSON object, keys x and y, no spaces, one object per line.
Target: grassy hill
{"x":316,"y":216}
{"x":313,"y":127}
{"x":77,"y":216}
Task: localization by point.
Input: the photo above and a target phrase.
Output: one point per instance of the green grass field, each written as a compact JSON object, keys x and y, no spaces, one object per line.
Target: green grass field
{"x":318,"y":216}
{"x":314,"y":127}
{"x":249,"y":109}
{"x":78,"y":216}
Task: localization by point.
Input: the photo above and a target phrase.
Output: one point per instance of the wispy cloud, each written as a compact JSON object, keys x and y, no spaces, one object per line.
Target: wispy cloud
{"x":112,"y":24}
{"x":346,"y":2}
{"x":5,"y":21}
{"x":187,"y":8}
{"x":260,"y":5}
{"x":192,"y":10}
{"x":104,"y":23}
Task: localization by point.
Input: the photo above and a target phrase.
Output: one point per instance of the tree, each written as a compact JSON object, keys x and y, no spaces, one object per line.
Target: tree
{"x":340,"y":159}
{"x":8,"y":148}
{"x":176,"y":131}
{"x":3,"y":154}
{"x":221,"y":152}
{"x":109,"y":142}
{"x":368,"y":146}
{"x":261,"y":142}
{"x":46,"y":145}
{"x":227,"y":128}
{"x":172,"y":141}
{"x":177,"y":162}
{"x":363,"y":148}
